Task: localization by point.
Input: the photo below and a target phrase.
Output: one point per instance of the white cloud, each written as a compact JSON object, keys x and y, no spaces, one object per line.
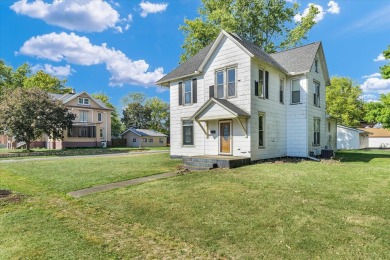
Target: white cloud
{"x":374,"y":75}
{"x":380,"y":57}
{"x":78,"y":15}
{"x":375,"y":84}
{"x":79,"y":50}
{"x":57,"y":71}
{"x":151,"y":8}
{"x":334,"y":7}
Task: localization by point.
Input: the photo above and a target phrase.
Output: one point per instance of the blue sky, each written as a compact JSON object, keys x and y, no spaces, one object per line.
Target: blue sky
{"x":119,"y":47}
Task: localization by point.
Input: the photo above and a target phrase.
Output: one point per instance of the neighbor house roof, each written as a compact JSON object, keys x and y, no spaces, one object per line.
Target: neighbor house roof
{"x":377,"y":132}
{"x":293,"y":61}
{"x":144,"y":132}
{"x":65,"y":98}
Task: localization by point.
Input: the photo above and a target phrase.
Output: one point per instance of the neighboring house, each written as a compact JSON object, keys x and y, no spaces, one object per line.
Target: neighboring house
{"x":351,"y":138}
{"x":379,"y":137}
{"x":144,"y":138}
{"x":232,"y":98}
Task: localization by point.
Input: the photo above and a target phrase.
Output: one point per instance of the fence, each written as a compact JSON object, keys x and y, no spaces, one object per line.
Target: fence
{"x":118,"y":142}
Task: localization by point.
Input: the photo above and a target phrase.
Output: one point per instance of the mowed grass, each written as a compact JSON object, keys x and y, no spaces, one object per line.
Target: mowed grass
{"x":269,"y":210}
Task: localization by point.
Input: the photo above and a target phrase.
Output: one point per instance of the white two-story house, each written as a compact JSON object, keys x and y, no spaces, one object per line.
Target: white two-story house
{"x":232,"y":98}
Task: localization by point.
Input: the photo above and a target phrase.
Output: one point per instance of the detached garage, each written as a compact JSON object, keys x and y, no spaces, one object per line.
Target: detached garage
{"x":144,"y":138}
{"x":351,"y":138}
{"x":379,"y":137}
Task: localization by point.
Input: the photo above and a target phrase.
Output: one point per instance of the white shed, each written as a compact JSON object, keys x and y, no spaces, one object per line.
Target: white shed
{"x":351,"y":138}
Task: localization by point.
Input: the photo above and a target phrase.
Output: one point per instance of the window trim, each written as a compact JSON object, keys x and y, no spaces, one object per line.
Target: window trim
{"x":281,"y":90}
{"x":316,"y":141}
{"x":291,"y":92}
{"x":101,"y":117}
{"x":317,"y":96}
{"x":182,"y":131}
{"x":134,"y":140}
{"x":261,"y":114}
{"x":144,"y":140}
{"x":101,"y":133}
{"x":150,"y":140}
{"x":225,"y":84}
{"x":184,"y":92}
{"x":84,"y":118}
{"x":161,"y":140}
{"x":235,"y":81}
{"x":83,"y":101}
{"x":316,"y":65}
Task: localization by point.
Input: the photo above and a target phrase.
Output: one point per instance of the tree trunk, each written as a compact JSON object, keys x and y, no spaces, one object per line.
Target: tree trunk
{"x":28,"y":145}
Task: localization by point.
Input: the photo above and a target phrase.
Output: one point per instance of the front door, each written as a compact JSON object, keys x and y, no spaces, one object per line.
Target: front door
{"x":225,"y":137}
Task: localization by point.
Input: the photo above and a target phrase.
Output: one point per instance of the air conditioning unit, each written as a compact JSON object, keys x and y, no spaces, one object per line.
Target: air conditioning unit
{"x":103,"y":144}
{"x":317,"y":152}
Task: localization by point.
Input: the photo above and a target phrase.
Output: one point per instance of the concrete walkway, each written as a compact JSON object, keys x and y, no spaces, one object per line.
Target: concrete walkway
{"x":26,"y":159}
{"x":111,"y":186}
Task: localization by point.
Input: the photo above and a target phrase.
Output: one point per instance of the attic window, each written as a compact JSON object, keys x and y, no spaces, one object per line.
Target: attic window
{"x":84,"y":101}
{"x":316,"y":65}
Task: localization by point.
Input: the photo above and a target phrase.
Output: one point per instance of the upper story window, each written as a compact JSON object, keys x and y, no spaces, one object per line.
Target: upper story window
{"x":261,"y":86}
{"x":316,"y":93}
{"x":84,"y":116}
{"x":225,"y":81}
{"x":281,"y":91}
{"x":188,"y":92}
{"x":83,"y":101}
{"x":295,"y":91}
{"x":316,"y":65}
{"x":100,"y":116}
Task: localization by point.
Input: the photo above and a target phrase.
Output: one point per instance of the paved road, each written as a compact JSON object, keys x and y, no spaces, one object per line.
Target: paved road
{"x":80,"y":156}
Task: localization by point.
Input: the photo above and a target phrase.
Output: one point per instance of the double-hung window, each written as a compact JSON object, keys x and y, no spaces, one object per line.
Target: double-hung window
{"x":316,"y":93}
{"x":317,"y":122}
{"x":262,"y":85}
{"x":281,"y":91}
{"x":100,"y":116}
{"x":296,"y":91}
{"x":84,"y":116}
{"x":188,"y":132}
{"x":225,"y":81}
{"x":316,"y":65}
{"x":220,"y":85}
{"x":101,"y":133}
{"x":187,"y":92}
{"x":261,"y":129}
{"x":231,"y":82}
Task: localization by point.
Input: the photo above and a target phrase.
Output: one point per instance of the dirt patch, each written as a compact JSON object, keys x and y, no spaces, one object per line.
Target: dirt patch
{"x":330,"y":161}
{"x":7,"y":197}
{"x":5,"y":193}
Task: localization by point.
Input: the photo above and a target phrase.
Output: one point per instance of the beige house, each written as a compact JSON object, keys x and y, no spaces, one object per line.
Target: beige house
{"x":144,"y":138}
{"x":92,"y":126}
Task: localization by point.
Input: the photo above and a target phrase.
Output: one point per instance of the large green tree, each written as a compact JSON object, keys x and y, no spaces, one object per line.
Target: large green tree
{"x":267,"y":23}
{"x":28,"y":114}
{"x":159,"y":114}
{"x":116,"y":124}
{"x":22,"y":77}
{"x":343,"y":101}
{"x":379,"y":112}
{"x":385,"y":70}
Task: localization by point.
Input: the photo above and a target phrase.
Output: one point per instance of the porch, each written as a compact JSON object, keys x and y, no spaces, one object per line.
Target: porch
{"x":208,"y":162}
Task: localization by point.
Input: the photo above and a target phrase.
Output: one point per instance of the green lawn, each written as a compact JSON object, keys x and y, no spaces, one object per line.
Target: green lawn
{"x":299,"y":210}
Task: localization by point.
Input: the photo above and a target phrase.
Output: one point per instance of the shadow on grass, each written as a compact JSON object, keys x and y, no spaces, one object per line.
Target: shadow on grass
{"x":362,"y":155}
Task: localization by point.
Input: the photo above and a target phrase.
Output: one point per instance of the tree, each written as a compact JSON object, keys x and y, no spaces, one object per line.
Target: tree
{"x":385,"y":70}
{"x":116,"y":124}
{"x":267,"y":23}
{"x":379,"y":112}
{"x":28,"y":114}
{"x":47,"y":83}
{"x":343,"y":101}
{"x":137,"y":116}
{"x":159,"y":116}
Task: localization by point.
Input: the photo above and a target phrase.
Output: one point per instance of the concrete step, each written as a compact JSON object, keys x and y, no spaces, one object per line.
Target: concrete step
{"x":202,"y":164}
{"x":197,"y":168}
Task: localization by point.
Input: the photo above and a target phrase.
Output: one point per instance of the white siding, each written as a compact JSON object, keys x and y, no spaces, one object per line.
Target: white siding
{"x":379,"y":142}
{"x":347,"y":138}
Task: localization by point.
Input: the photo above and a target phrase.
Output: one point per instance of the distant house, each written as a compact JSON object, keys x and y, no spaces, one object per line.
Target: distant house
{"x":379,"y":137}
{"x":351,"y":138}
{"x":144,"y":138}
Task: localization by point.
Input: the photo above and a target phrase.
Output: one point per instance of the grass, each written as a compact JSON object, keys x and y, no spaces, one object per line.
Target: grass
{"x":292,"y":210}
{"x":91,"y":150}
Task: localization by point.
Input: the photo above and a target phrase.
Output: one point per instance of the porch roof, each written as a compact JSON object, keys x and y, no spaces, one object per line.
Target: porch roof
{"x":216,"y":108}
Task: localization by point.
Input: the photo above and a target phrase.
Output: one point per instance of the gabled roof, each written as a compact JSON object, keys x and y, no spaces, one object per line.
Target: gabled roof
{"x":360,"y":131}
{"x":294,"y":61}
{"x":377,"y":132}
{"x":144,"y":132}
{"x":230,"y":107}
{"x":65,"y":98}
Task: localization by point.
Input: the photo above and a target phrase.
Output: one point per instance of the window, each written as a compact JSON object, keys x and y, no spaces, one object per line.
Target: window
{"x":82,"y":131}
{"x":281,"y":90}
{"x":328,"y":126}
{"x":100,"y":117}
{"x":263,"y":84}
{"x":145,"y":140}
{"x":161,"y":141}
{"x":261,"y":130}
{"x":150,"y":140}
{"x":316,"y":65}
{"x":316,"y":93}
{"x":188,"y":132}
{"x":296,"y":91}
{"x":231,"y":75}
{"x":317,"y":123}
{"x":84,"y":116}
{"x":134,"y":140}
{"x":187,"y":92}
{"x":84,"y":101}
{"x":101,"y":133}
{"x":220,"y":85}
